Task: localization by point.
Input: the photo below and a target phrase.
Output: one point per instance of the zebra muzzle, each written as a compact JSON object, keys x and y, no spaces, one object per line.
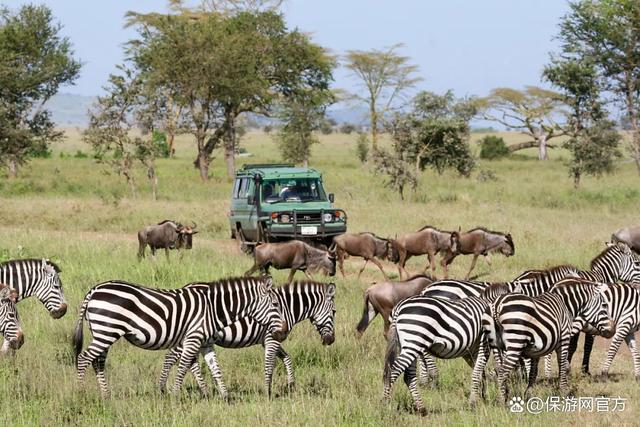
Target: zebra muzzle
{"x":610,"y":330}
{"x":59,"y":312}
{"x":281,"y":334}
{"x":16,"y":343}
{"x":328,"y":339}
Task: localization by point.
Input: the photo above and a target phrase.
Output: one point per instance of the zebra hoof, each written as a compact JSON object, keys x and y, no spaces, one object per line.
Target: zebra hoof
{"x":422,"y":411}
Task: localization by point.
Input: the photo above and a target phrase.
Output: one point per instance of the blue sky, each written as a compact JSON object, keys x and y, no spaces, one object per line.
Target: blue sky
{"x":469,"y":46}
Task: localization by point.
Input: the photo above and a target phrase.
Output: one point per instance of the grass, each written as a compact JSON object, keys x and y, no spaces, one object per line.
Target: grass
{"x":70,"y":210}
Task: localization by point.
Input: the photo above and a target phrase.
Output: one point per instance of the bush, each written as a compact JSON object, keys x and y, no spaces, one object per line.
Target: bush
{"x":347,"y":128}
{"x":160,"y":144}
{"x":493,"y":147}
{"x":267,"y":129}
{"x":326,"y":127}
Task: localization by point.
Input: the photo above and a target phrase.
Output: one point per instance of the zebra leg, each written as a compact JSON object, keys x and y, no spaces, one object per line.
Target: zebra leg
{"x":428,"y":370}
{"x":197,"y":373}
{"x":563,"y":363}
{"x":98,"y":366}
{"x":190,"y":349}
{"x":573,"y":345}
{"x":288,"y":365}
{"x":533,"y":374}
{"x":270,"y":351}
{"x":588,"y":346}
{"x":477,"y":376}
{"x":620,"y":334}
{"x":525,"y":365}
{"x":547,"y":366}
{"x":212,"y":362}
{"x":411,"y":380}
{"x":95,"y":350}
{"x":170,"y":359}
{"x":509,"y":361}
{"x":633,"y":347}
{"x":400,"y":365}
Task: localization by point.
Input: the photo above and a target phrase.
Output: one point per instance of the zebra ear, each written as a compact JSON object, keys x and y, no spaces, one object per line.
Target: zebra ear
{"x":268,"y":282}
{"x":13,"y":295}
{"x":331,"y":290}
{"x":44,"y":262}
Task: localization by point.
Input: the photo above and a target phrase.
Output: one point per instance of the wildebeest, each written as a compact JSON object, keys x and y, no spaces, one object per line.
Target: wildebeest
{"x":165,"y":235}
{"x":295,"y":255}
{"x":380,"y":298}
{"x":428,"y":240}
{"x":628,"y":235}
{"x":479,"y":241}
{"x":366,"y":245}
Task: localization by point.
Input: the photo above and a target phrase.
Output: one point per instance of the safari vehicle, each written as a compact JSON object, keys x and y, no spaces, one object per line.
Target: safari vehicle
{"x":277,"y":202}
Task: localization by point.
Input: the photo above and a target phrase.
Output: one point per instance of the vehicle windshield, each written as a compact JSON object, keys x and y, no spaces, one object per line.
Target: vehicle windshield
{"x":292,"y":190}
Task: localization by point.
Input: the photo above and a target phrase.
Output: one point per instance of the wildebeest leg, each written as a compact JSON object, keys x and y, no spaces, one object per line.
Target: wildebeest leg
{"x":366,"y":261}
{"x":291,"y":273}
{"x":166,"y":252}
{"x":376,"y":262}
{"x":445,"y":261}
{"x":488,"y":260}
{"x":432,"y":263}
{"x":141,"y":249}
{"x":252,"y":270}
{"x":341,"y":262}
{"x":306,"y":273}
{"x":473,"y":264}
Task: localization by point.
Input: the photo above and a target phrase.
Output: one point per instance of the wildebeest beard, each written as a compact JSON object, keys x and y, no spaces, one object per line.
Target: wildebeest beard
{"x":317,"y":260}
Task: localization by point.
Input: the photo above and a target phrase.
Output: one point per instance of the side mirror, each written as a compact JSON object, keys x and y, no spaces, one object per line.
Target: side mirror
{"x":250,"y":199}
{"x":332,"y":197}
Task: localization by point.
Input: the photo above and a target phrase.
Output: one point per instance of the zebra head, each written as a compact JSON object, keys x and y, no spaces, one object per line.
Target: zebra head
{"x":9,"y":321}
{"x":49,"y":289}
{"x":617,"y":263}
{"x":596,"y":312}
{"x":266,"y":310}
{"x":323,"y":317}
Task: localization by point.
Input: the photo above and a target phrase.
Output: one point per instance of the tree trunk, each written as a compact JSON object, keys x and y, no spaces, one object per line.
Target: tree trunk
{"x":172,"y":151}
{"x":13,"y":168}
{"x":373,"y":115}
{"x":305,"y":163}
{"x":153,"y":180}
{"x":542,"y":147}
{"x":202,"y":161}
{"x":230,"y":144}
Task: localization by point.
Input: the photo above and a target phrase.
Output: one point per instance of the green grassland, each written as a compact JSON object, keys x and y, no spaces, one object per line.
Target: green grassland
{"x":76,"y":213}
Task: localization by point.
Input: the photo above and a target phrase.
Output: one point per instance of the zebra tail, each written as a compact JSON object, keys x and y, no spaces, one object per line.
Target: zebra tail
{"x":393,"y":348}
{"x":492,"y":328}
{"x":78,"y":335}
{"x":364,"y":321}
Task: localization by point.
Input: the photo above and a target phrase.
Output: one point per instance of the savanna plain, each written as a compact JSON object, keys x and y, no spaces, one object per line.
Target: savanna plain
{"x":69,"y":209}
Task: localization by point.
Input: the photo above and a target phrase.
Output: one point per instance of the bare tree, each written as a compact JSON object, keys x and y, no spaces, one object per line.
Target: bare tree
{"x":385,"y":75}
{"x":533,"y":111}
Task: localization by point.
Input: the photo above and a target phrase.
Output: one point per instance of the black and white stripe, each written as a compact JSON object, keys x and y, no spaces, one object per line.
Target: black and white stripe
{"x":9,"y":321}
{"x":157,"y":319}
{"x":444,"y":328}
{"x":524,"y":326}
{"x":36,"y":277}
{"x":298,"y":301}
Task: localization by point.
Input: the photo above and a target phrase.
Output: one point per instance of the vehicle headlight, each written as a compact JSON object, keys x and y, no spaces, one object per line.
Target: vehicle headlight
{"x":284,"y":218}
{"x":328,"y":217}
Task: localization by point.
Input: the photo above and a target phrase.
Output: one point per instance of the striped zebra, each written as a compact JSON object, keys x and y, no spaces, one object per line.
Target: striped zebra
{"x":298,"y":301}
{"x":524,"y":326}
{"x":156,"y":319}
{"x":444,"y":328}
{"x":9,"y":320}
{"x":35,"y":277}
{"x":623,"y":302}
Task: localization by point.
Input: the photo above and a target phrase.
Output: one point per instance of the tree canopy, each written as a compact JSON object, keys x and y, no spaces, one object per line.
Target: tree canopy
{"x":36,"y":61}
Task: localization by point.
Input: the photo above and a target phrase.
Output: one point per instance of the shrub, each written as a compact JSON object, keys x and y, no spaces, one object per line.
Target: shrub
{"x":493,"y":147}
{"x":362,"y":147}
{"x":347,"y":128}
{"x":160,"y":144}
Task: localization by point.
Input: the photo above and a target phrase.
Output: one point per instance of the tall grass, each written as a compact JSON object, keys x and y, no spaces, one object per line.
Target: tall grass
{"x":70,"y":210}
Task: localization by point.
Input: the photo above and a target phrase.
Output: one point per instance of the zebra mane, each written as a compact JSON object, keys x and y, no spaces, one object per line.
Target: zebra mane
{"x":299,"y":286}
{"x":534,"y":274}
{"x":27,"y":260}
{"x":598,"y":258}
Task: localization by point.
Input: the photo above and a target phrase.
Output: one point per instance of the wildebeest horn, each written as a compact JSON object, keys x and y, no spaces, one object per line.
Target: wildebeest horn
{"x":194,"y":224}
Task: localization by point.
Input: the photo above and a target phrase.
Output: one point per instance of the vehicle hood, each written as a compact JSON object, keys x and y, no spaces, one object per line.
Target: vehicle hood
{"x":284,"y":206}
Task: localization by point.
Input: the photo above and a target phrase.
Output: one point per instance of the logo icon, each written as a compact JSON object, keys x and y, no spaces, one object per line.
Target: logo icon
{"x":516,"y":405}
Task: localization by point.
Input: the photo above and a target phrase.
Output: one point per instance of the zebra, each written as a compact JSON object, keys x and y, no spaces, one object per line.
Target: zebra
{"x":445,"y":328}
{"x":156,"y":319}
{"x":623,"y":302}
{"x":524,"y":326}
{"x":298,"y":301}
{"x":35,"y":277}
{"x":9,"y":320}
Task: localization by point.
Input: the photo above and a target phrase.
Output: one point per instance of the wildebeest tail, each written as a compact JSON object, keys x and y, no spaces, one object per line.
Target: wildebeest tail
{"x":78,"y":335}
{"x":364,"y":321}
{"x":393,"y":348}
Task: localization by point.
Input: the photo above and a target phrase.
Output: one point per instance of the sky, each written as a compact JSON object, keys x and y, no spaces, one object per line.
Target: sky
{"x":468,"y":46}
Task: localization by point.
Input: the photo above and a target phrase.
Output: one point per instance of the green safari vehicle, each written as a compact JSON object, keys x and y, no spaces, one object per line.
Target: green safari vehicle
{"x":278,"y":202}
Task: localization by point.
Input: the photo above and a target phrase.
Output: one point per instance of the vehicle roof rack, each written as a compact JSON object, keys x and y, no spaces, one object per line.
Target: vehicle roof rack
{"x":267,"y":165}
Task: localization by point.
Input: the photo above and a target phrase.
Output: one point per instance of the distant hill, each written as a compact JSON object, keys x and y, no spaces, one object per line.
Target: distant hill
{"x":69,"y":110}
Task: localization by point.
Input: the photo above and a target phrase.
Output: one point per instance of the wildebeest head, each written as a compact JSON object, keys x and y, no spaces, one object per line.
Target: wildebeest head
{"x":318,"y":259}
{"x":454,"y":241}
{"x":185,"y":236}
{"x":507,"y":248}
{"x":393,"y":254}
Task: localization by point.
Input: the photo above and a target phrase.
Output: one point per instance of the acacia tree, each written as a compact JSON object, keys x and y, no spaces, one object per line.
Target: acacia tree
{"x":112,"y":125}
{"x":36,"y":61}
{"x":606,"y":33}
{"x":533,"y":112}
{"x":385,"y":77}
{"x":593,"y":139}
{"x":219,"y":67}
